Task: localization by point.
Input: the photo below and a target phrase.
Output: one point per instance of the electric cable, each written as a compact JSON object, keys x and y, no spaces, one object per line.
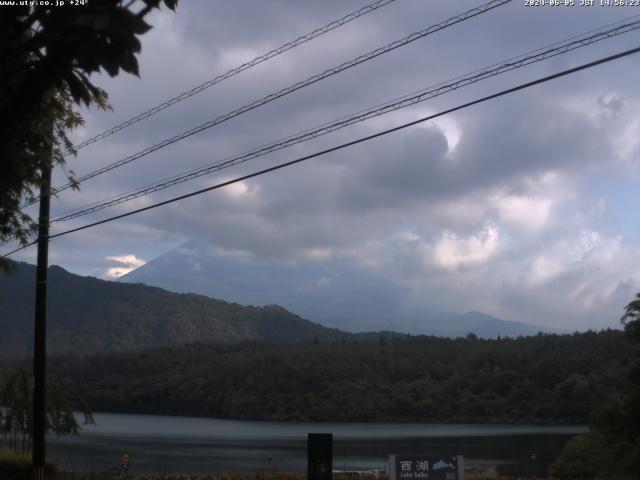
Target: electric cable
{"x":406,"y":96}
{"x":379,"y":110}
{"x":297,"y":86}
{"x":345,"y":145}
{"x":236,"y":70}
{"x":327,"y":73}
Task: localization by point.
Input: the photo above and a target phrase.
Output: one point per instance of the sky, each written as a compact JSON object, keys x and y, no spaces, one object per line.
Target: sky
{"x":521,"y":207}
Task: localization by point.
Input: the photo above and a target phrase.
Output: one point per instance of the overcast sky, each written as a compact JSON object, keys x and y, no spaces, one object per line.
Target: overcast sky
{"x":524,"y":207}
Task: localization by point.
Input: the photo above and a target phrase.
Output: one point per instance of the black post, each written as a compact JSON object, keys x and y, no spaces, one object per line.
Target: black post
{"x":40,"y":331}
{"x":319,"y":456}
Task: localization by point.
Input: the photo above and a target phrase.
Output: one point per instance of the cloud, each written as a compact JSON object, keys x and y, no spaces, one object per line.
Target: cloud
{"x":451,"y":252}
{"x":525,"y":213}
{"x":127,"y":263}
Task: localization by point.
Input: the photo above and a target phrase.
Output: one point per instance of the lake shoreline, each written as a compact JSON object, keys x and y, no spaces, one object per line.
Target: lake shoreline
{"x":580,"y":428}
{"x":173,"y":444}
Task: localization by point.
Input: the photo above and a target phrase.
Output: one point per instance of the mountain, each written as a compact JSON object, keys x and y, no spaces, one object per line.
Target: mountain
{"x":448,"y":324}
{"x":334,"y":292}
{"x":87,"y":315}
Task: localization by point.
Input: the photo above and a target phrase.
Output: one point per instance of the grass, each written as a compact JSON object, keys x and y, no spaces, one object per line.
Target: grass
{"x":266,"y":476}
{"x":14,"y":466}
{"x":17,"y":466}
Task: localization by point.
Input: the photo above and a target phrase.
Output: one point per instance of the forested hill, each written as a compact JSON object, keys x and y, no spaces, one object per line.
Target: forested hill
{"x":539,"y":379}
{"x":88,"y":315}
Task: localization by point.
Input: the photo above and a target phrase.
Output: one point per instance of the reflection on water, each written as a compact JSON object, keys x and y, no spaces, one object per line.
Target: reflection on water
{"x":181,"y":444}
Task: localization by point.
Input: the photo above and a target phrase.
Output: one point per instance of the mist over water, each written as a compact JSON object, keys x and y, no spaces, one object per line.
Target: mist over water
{"x":184,"y":444}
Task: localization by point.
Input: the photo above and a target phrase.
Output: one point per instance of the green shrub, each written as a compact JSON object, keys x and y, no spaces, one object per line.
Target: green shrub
{"x":15,"y":466}
{"x":584,"y":456}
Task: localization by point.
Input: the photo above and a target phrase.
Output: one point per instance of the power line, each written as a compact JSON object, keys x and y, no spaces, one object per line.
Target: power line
{"x":347,"y":144}
{"x":297,"y":86}
{"x":391,"y":46}
{"x":234,"y":71}
{"x":598,"y":35}
{"x":407,"y":100}
{"x":417,"y":97}
{"x":209,"y":83}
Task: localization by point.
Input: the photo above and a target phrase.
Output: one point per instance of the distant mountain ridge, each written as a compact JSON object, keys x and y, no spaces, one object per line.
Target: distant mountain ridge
{"x":88,"y":315}
{"x":446,"y":324}
{"x":334,"y":292}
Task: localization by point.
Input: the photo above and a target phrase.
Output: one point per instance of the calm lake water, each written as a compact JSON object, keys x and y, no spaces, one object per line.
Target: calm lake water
{"x":182,"y":444}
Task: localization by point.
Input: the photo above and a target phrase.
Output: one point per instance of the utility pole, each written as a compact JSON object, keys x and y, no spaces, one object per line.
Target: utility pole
{"x":40,"y":330}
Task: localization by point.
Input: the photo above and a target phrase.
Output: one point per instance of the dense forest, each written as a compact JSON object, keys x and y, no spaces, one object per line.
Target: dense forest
{"x":540,"y":379}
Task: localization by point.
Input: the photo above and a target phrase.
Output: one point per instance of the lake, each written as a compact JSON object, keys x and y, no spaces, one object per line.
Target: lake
{"x":165,"y":444}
